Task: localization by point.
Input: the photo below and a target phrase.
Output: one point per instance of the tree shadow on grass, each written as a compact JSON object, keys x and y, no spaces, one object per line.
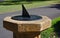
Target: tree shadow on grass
{"x":57,"y":28}
{"x":18,"y":2}
{"x":13,"y":3}
{"x":55,"y":6}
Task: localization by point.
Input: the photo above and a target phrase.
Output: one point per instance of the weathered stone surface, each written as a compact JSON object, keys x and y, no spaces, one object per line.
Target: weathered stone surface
{"x":27,"y":26}
{"x":27,"y":29}
{"x":27,"y":35}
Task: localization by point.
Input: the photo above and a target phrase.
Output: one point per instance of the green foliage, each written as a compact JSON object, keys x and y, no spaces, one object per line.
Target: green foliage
{"x":50,"y":31}
{"x":47,"y":33}
{"x":32,"y":0}
{"x":54,"y":21}
{"x":26,"y":0}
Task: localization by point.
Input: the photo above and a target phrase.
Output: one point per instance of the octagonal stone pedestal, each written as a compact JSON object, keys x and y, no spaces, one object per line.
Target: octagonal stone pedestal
{"x":27,"y":29}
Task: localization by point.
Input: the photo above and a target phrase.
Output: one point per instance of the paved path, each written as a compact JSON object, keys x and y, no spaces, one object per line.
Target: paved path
{"x":50,"y":12}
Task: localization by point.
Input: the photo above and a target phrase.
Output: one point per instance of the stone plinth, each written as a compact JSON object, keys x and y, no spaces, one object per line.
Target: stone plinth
{"x":27,"y":29}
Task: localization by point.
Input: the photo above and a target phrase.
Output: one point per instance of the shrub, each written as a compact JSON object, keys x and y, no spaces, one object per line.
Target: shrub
{"x":49,"y":33}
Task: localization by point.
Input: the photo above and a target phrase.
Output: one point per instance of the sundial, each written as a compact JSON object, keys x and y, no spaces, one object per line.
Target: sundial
{"x":25,"y":16}
{"x":26,"y":25}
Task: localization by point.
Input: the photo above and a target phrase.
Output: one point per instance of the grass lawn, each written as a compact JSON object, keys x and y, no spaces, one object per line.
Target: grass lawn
{"x":34,"y":4}
{"x":50,"y":31}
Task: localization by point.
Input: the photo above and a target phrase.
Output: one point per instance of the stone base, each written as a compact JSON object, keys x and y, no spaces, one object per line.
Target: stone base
{"x":27,"y":26}
{"x":27,"y":29}
{"x":27,"y":35}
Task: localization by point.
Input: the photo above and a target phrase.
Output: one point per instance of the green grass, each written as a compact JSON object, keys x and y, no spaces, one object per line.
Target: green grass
{"x":34,"y":4}
{"x":49,"y":32}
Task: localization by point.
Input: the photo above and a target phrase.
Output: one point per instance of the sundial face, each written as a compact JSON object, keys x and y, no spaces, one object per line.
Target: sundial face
{"x":25,"y":16}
